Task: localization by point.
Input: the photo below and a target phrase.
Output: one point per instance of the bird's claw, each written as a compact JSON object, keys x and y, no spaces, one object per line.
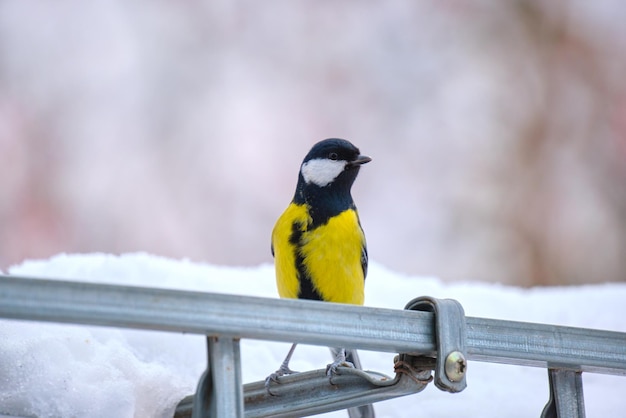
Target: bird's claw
{"x":332,"y":368}
{"x":282,"y":371}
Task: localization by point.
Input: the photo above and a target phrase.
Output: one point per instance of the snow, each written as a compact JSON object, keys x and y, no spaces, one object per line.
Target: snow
{"x":52,"y":370}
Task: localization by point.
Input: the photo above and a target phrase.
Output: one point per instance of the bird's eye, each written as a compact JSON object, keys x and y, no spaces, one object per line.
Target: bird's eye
{"x":333,"y":156}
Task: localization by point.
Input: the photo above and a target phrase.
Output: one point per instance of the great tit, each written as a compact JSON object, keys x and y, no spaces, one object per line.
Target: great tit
{"x":318,"y":244}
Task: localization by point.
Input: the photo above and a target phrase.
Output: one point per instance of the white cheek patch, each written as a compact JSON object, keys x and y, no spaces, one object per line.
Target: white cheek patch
{"x":322,"y":172}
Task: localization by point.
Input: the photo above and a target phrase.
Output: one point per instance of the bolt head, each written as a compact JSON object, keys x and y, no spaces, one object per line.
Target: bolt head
{"x":456,"y":366}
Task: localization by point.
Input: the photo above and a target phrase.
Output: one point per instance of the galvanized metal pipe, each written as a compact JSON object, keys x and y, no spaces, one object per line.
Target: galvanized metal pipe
{"x":306,"y":322}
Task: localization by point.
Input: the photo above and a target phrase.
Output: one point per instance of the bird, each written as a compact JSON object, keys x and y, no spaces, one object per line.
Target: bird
{"x":318,"y":244}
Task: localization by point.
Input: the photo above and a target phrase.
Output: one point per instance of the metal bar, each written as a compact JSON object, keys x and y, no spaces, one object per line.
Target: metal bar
{"x":225,"y":368}
{"x":310,"y":393}
{"x":566,"y":395}
{"x":219,"y":392}
{"x":201,"y":401}
{"x":308,"y":322}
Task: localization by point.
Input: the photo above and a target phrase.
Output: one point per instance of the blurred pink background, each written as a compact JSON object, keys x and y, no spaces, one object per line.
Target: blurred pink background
{"x":497,"y":130}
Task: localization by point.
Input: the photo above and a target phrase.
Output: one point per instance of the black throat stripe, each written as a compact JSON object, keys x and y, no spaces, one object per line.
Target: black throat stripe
{"x":306,"y":290}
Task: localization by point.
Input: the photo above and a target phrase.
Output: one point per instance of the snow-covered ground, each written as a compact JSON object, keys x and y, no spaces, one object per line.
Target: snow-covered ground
{"x":50,"y":370}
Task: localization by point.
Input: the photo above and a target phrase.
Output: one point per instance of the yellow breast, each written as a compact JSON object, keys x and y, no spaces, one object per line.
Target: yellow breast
{"x":331,"y":255}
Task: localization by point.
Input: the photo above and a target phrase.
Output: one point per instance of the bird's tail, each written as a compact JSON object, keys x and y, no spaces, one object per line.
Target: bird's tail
{"x":363,"y":411}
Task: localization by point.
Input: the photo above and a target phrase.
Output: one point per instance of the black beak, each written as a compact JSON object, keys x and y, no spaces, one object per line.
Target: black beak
{"x":361,"y":159}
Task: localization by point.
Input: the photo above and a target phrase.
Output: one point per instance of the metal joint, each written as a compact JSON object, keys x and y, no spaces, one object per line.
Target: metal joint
{"x":451,"y":365}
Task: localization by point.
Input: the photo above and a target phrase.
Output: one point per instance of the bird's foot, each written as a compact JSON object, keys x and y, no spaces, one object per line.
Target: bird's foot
{"x":284,"y":370}
{"x":331,"y":369}
{"x":340,"y":361}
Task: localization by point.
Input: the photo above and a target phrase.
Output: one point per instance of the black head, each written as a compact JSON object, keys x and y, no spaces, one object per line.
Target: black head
{"x":329,"y":168}
{"x":330,"y":160}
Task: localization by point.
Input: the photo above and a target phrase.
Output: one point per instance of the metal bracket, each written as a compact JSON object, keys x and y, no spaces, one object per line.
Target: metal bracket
{"x":451,"y":366}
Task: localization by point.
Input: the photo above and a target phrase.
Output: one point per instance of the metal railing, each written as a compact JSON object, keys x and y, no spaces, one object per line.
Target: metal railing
{"x":430,"y":335}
